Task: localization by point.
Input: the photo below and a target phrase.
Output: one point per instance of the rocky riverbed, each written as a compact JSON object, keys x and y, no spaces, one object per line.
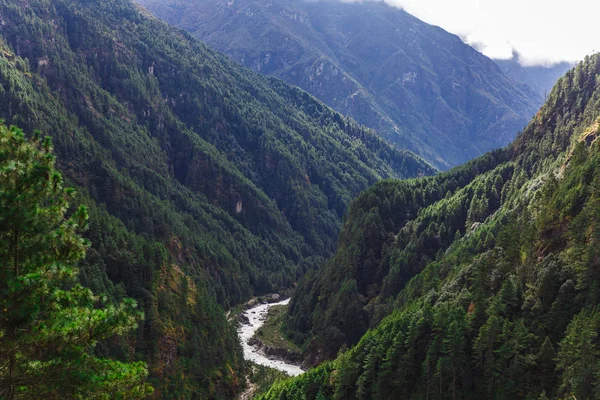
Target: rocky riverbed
{"x":250,"y":321}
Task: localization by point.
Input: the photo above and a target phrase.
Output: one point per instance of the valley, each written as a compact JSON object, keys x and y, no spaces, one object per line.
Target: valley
{"x":430,"y":216}
{"x":197,"y":174}
{"x":479,"y":281}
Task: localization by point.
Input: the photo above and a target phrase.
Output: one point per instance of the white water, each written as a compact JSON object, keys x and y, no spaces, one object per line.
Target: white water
{"x":257,"y":316}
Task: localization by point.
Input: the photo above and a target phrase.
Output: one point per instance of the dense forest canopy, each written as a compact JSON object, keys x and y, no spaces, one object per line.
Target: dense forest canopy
{"x":477,"y":283}
{"x":420,"y":87}
{"x":205,"y":183}
{"x":50,"y":324}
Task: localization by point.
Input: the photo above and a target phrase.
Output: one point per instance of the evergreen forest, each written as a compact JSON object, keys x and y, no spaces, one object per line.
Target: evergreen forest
{"x":478,"y":283}
{"x":150,"y":187}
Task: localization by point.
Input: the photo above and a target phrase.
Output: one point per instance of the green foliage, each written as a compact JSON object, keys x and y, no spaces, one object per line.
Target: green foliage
{"x":506,"y":308}
{"x":312,"y":385}
{"x":49,"y":324}
{"x":165,"y":132}
{"x":392,"y":232}
{"x":206,"y":183}
{"x":421,"y":88}
{"x":578,"y":357}
{"x":270,"y":334}
{"x":264,"y":377}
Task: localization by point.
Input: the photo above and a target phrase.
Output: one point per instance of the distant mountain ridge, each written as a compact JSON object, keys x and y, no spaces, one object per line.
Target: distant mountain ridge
{"x":419,"y":86}
{"x":538,"y":77}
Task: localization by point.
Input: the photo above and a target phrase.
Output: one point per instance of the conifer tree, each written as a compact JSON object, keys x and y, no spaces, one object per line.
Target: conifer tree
{"x":49,"y":324}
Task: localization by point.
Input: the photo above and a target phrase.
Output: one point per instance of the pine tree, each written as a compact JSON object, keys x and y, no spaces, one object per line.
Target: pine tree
{"x":453,"y":348}
{"x":546,"y":363}
{"x":578,"y":355}
{"x":49,"y":324}
{"x":345,"y":376}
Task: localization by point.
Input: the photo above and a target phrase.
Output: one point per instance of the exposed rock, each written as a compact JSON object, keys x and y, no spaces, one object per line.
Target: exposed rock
{"x":43,"y":61}
{"x":284,"y":354}
{"x":474,"y":226}
{"x":255,"y":342}
{"x":243,"y":319}
{"x":251,"y":303}
{"x":293,"y":357}
{"x":273,"y":298}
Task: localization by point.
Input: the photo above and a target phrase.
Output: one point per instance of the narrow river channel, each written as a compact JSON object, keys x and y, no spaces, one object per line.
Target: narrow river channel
{"x":257,"y":315}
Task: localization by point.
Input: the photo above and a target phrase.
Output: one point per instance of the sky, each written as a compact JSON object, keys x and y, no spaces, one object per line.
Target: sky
{"x":543,"y":32}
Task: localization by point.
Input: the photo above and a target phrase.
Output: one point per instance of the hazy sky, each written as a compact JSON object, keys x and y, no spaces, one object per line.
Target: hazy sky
{"x":542,"y":31}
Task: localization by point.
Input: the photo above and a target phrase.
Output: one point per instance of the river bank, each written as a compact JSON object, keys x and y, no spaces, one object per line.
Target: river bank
{"x":251,"y":320}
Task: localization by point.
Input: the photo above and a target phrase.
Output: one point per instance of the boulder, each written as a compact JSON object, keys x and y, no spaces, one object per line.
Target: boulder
{"x":243,"y":319}
{"x":272,"y":298}
{"x":283,"y":354}
{"x":251,"y":303}
{"x":255,"y":342}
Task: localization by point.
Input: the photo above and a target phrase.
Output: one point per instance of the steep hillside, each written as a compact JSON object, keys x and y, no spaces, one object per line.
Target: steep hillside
{"x":538,"y":77}
{"x":417,"y":85}
{"x":199,"y":174}
{"x":487,"y":274}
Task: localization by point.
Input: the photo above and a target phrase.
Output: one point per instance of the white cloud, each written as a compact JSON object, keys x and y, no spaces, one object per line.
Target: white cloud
{"x":543,"y":32}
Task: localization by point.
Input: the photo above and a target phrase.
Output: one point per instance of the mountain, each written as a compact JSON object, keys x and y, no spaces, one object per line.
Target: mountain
{"x":206,"y":183}
{"x":417,"y":85}
{"x":540,"y":78}
{"x":480,"y":282}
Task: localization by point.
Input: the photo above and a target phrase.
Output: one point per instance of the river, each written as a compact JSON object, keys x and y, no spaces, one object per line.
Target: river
{"x":257,"y":315}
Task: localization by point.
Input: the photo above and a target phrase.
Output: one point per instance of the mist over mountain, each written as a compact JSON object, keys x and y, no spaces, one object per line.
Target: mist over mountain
{"x":538,"y":77}
{"x":419,"y":86}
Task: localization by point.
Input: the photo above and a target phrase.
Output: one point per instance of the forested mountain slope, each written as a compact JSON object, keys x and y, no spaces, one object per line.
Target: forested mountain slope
{"x":488,"y":274}
{"x":540,"y":78}
{"x":419,"y":86}
{"x":206,"y":183}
